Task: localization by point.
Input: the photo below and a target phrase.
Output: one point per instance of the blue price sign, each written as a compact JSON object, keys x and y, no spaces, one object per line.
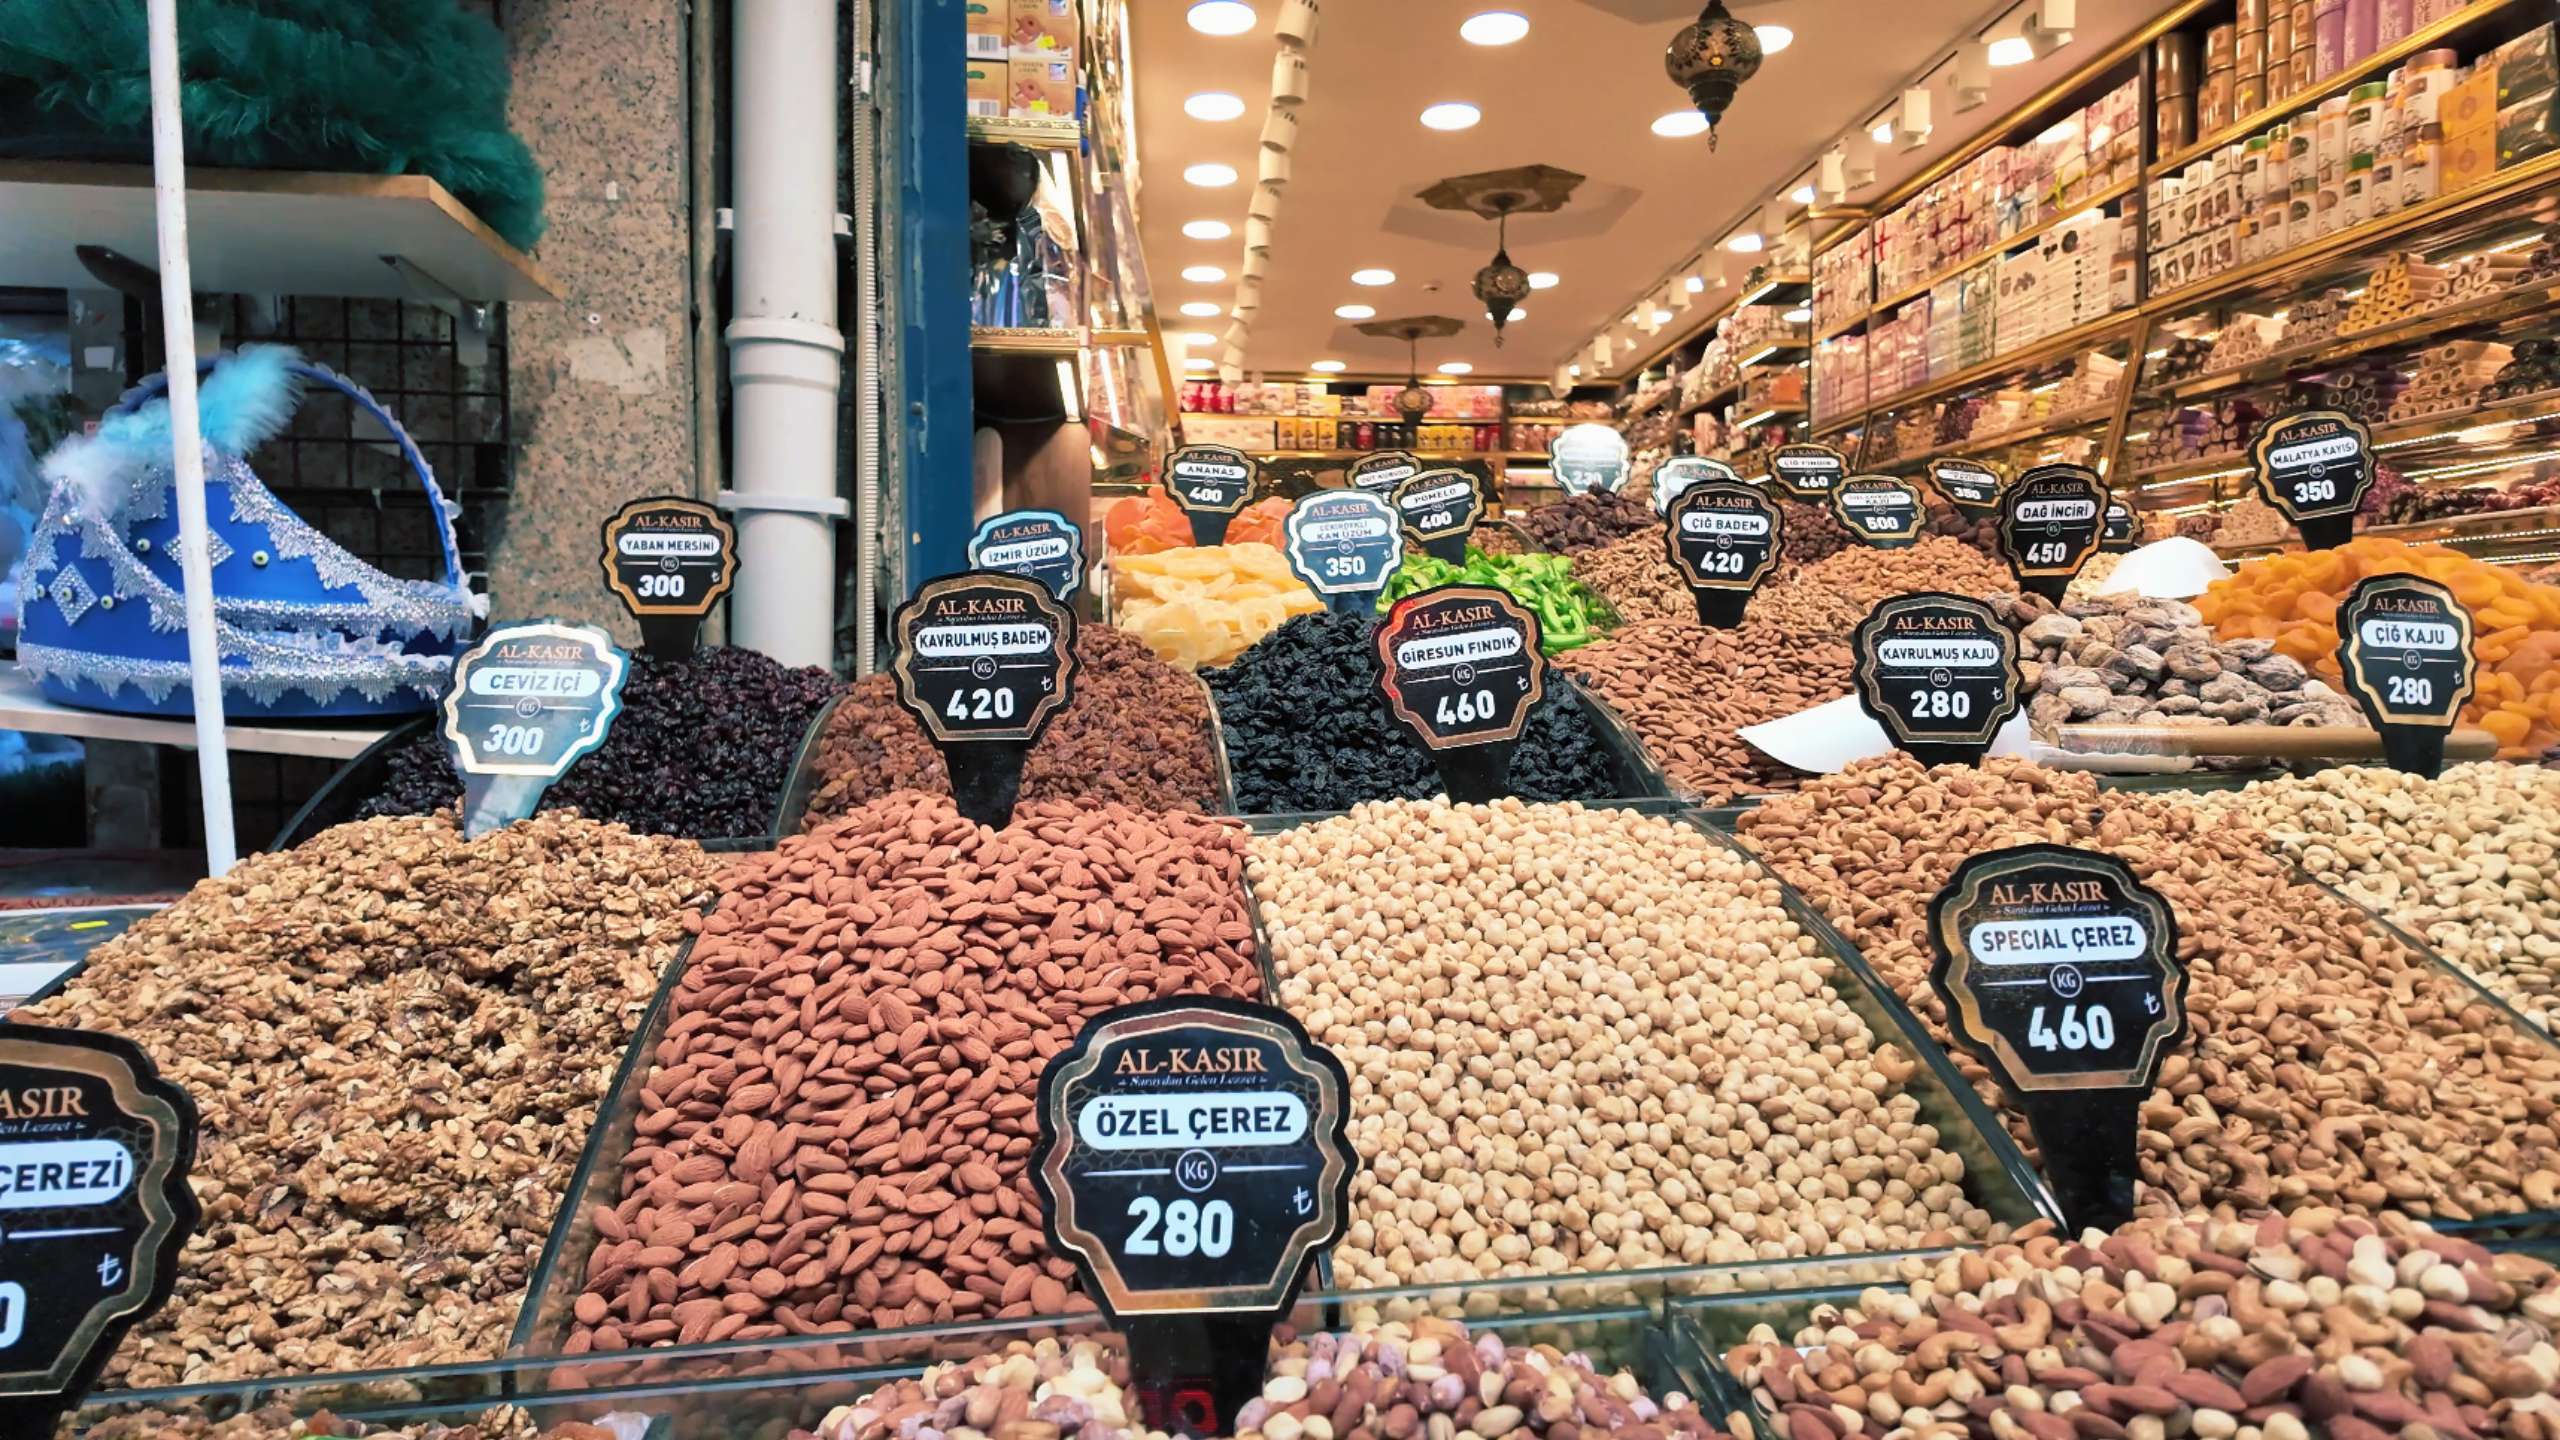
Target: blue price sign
{"x":1042,"y":544}
{"x":1344,"y":544}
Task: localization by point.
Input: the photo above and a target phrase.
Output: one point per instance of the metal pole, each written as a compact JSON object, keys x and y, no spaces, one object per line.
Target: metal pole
{"x":177,"y":317}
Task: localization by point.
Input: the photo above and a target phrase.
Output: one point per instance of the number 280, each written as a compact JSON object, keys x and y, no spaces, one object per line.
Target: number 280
{"x":1189,"y":1228}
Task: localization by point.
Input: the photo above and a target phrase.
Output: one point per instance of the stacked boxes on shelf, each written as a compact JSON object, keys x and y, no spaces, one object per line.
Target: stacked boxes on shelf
{"x":1839,"y":377}
{"x":1022,"y":58}
{"x":1961,"y":311}
{"x":1844,"y":281}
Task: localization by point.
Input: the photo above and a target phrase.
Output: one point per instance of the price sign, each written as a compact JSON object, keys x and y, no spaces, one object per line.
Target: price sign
{"x":1675,"y":475}
{"x":1972,"y":486}
{"x":2050,"y":520}
{"x":1210,"y":483}
{"x":1808,"y":472}
{"x":1346,"y":545}
{"x":669,"y":560}
{"x":1724,"y":538}
{"x":1194,"y":1155}
{"x":1939,"y":672}
{"x":2059,"y":971}
{"x":1880,"y":510}
{"x":983,"y":660}
{"x":1460,"y":668}
{"x":1439,"y":509}
{"x":2314,"y":467}
{"x":526,"y":703}
{"x":94,"y":1149}
{"x":1585,"y":458}
{"x":1381,"y":473}
{"x":2404,"y":647}
{"x":2118,"y":535}
{"x":1042,"y":544}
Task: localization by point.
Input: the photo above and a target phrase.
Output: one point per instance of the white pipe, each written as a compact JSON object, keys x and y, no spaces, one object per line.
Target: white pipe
{"x":177,"y":319}
{"x":869,"y":409}
{"x":786,"y":357}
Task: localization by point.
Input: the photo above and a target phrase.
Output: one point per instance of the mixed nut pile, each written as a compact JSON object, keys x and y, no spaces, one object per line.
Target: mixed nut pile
{"x":1586,"y":1040}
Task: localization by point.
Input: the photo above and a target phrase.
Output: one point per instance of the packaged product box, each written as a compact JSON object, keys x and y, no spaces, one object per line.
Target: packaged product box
{"x":2466,"y":158}
{"x":1042,"y":29}
{"x":984,"y":20}
{"x":2472,"y":103}
{"x":2525,"y":129}
{"x":986,"y":89}
{"x":1040,"y":87}
{"x":2526,"y":66}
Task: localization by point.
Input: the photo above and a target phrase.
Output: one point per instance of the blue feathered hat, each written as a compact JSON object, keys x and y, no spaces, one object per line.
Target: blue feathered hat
{"x":306,"y":629}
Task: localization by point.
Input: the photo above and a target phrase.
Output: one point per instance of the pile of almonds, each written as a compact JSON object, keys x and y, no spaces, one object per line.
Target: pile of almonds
{"x":1685,"y":689}
{"x":2278,"y":1328}
{"x":833,"y":1129}
{"x":277,"y":1420}
{"x":397,"y":1040}
{"x":1423,"y":1380}
{"x":2330,"y":1064}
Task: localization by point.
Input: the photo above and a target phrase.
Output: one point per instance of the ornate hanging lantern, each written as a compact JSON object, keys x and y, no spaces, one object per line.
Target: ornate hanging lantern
{"x":1413,"y":401}
{"x":1710,"y":59}
{"x":1498,"y":195}
{"x":1501,"y":285}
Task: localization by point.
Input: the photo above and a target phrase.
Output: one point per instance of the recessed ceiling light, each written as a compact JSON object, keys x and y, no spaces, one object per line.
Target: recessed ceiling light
{"x":1373,"y":277}
{"x":1210,"y":177}
{"x":1544,"y":279}
{"x":1201,"y":309}
{"x":1456,"y":367}
{"x":1199,"y":362}
{"x":1451,"y":115}
{"x":1207,"y":229}
{"x":1213,"y":105}
{"x":1883,"y":132}
{"x":1661,"y":317}
{"x":1354,"y":312}
{"x":1680,"y":125}
{"x":1222,"y":17}
{"x":1573,"y":369}
{"x":1746,"y":243}
{"x":1494,"y":27}
{"x":1328,"y":367}
{"x":1802,"y":194}
{"x":1203,"y":274}
{"x":1773,"y":38}
{"x":2013,"y":51}
{"x":1797,"y":316}
{"x":1199,"y":337}
{"x":1695,"y":285}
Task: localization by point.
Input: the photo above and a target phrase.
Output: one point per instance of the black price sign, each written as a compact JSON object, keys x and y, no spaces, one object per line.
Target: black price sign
{"x":1939,"y":672}
{"x":983,"y":660}
{"x":2118,"y":535}
{"x":1440,"y":509}
{"x":526,"y":703}
{"x":1042,"y":544}
{"x":2314,"y":467}
{"x":1345,"y":545}
{"x":1677,"y":474}
{"x":2404,"y":646}
{"x":95,"y":1148}
{"x":1381,"y":473}
{"x":1970,"y":485}
{"x":1880,"y":510}
{"x":670,"y":560}
{"x":1194,"y":1156}
{"x":1724,"y":538}
{"x":1808,"y":472}
{"x":1210,"y":483}
{"x":2059,"y":971}
{"x":1585,"y":458}
{"x":1460,"y":668}
{"x":2050,"y":520}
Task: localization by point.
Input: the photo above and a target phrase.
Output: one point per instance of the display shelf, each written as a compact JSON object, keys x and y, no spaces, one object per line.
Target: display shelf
{"x":2275,"y":271}
{"x":2003,"y":246}
{"x":2427,"y":328}
{"x":2045,"y":429}
{"x":2374,"y":66}
{"x":1782,"y":288}
{"x":1416,"y":454}
{"x":2456,"y":429}
{"x":2052,"y":347}
{"x":1390,"y":419}
{"x":264,"y":232}
{"x":24,"y":707}
{"x":1062,"y":340}
{"x":1040,"y":132}
{"x":1769,"y":413}
{"x":1854,"y":323}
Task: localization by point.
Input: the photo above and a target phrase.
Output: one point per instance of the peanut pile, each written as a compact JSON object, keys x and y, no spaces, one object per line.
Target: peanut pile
{"x":1587,"y":1040}
{"x":2463,"y":861}
{"x":832,"y":1135}
{"x":2279,"y":1328}
{"x":1685,"y":688}
{"x":397,"y":1040}
{"x":1427,"y":1380}
{"x":2330,"y":1064}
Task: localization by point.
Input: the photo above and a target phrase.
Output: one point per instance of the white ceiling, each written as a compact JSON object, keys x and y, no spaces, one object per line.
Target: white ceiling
{"x":1581,"y":92}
